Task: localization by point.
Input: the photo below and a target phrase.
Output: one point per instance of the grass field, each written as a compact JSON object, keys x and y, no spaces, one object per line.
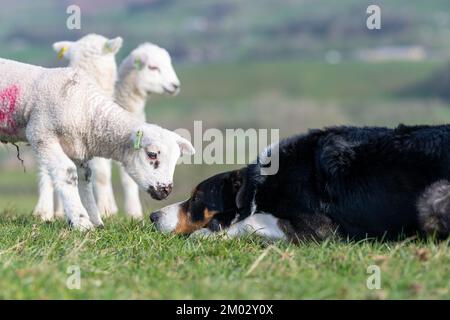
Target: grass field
{"x":131,"y":260}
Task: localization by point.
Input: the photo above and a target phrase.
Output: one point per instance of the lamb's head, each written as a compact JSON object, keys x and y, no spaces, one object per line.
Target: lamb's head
{"x":152,"y":156}
{"x":92,"y":46}
{"x":94,"y":54}
{"x":150,"y":68}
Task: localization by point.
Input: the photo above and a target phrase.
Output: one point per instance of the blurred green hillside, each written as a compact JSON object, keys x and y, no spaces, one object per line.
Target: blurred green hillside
{"x":200,"y":31}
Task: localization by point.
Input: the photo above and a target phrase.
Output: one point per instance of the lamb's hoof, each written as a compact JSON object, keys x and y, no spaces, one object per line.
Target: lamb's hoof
{"x":98,"y":224}
{"x":45,"y":216}
{"x":97,"y":221}
{"x":106,"y":213}
{"x":59,"y":214}
{"x":82,"y":224}
{"x":135,"y":216}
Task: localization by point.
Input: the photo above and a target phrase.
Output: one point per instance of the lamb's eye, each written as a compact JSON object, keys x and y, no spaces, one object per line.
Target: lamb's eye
{"x":153,"y":68}
{"x":152,"y":155}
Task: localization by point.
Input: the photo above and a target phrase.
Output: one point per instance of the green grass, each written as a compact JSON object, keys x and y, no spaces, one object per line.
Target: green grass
{"x":130,"y":260}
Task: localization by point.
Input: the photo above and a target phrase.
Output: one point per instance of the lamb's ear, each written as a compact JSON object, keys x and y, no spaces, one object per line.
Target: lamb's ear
{"x":186,"y":147}
{"x":63,"y":49}
{"x":113,"y":45}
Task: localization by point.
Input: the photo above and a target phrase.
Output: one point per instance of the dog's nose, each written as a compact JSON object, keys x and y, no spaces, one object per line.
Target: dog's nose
{"x":154,"y":216}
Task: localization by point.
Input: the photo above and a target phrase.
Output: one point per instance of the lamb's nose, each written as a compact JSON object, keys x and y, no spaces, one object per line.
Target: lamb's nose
{"x":167,"y":189}
{"x":175,"y":86}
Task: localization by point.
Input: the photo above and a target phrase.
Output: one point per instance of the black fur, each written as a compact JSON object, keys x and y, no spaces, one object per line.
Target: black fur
{"x":434,"y":209}
{"x":368,"y":181}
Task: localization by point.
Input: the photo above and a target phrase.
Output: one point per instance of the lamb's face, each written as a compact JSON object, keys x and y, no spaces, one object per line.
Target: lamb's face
{"x":152,"y":158}
{"x":155,"y":73}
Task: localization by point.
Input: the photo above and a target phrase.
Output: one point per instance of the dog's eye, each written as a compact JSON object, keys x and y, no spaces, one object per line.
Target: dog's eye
{"x":152,"y":155}
{"x":153,"y":68}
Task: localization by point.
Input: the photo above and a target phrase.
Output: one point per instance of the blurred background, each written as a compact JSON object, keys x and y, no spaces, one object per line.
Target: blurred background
{"x":283,"y":64}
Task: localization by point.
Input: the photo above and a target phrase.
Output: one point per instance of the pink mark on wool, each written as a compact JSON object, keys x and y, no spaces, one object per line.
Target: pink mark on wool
{"x":8,"y":102}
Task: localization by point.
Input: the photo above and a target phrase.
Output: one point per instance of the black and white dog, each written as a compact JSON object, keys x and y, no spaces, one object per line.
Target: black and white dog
{"x":352,"y":182}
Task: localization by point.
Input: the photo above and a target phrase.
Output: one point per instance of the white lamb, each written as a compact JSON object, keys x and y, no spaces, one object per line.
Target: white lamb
{"x":146,"y":70}
{"x":94,"y":54}
{"x":67,"y":121}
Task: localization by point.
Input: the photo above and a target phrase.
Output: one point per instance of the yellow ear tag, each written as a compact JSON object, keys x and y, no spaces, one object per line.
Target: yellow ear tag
{"x":138,"y":141}
{"x":107,"y":47}
{"x":138,"y":64}
{"x":62,"y":52}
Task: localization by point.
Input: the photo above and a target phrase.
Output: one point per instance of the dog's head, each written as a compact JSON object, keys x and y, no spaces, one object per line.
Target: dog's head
{"x":215,"y":203}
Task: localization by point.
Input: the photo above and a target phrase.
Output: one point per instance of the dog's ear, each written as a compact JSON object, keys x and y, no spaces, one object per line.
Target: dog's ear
{"x":245,"y":194}
{"x":236,"y":181}
{"x":222,"y":190}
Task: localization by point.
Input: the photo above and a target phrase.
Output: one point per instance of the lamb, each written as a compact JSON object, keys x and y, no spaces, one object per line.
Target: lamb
{"x":94,"y":54}
{"x":66,"y":119}
{"x":146,"y":70}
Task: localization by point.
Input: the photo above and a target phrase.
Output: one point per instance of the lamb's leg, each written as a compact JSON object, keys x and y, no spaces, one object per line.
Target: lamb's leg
{"x":63,"y":173}
{"x":133,"y":206}
{"x":87,"y":194}
{"x":59,"y":210}
{"x":44,"y":208}
{"x":101,"y":169}
{"x":264,"y":225}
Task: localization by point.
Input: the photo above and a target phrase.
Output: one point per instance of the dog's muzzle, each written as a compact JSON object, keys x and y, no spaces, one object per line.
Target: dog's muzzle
{"x":154,"y":216}
{"x":160,"y":192}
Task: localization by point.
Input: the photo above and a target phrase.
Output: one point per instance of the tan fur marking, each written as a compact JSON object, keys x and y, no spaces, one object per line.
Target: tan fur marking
{"x":187,"y":226}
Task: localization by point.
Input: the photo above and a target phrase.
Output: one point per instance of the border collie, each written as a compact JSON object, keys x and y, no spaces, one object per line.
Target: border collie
{"x":356,"y":183}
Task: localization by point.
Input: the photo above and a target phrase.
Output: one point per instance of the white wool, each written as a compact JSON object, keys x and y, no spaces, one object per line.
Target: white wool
{"x":147,"y":69}
{"x":95,"y":55}
{"x":67,"y":121}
